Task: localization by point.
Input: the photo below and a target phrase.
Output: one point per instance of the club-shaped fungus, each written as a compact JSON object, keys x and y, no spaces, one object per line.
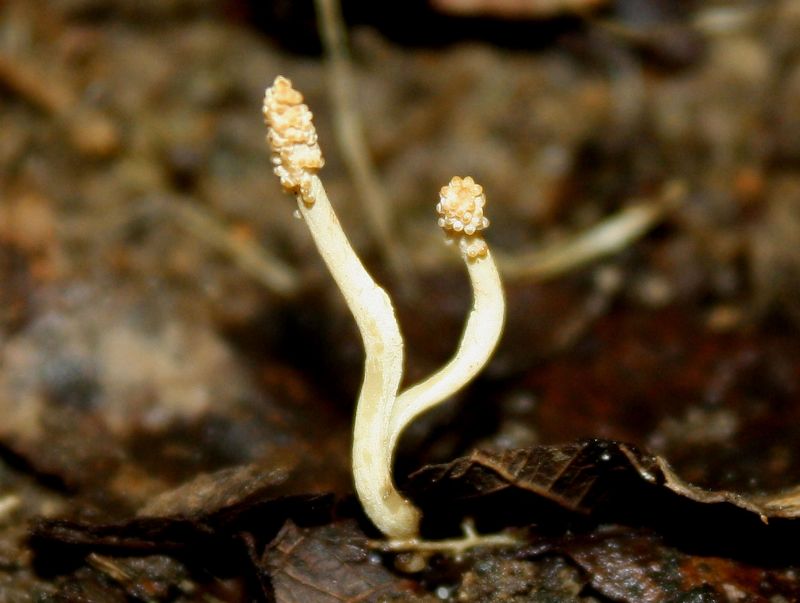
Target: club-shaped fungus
{"x":382,"y":414}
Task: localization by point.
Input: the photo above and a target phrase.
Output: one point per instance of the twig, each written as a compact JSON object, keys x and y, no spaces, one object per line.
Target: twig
{"x":723,"y":20}
{"x":9,"y":504}
{"x":92,"y":133}
{"x":352,"y":142}
{"x":269,"y":270}
{"x":35,"y":86}
{"x":610,"y":236}
{"x":423,"y":119}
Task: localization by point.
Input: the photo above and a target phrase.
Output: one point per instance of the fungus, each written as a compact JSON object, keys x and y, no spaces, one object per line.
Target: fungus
{"x":292,"y":137}
{"x":381,"y":415}
{"x":460,"y":209}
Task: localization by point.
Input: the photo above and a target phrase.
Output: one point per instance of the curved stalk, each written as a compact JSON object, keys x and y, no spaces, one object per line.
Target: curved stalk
{"x":296,"y":158}
{"x":478,"y":341}
{"x":460,"y":208}
{"x":383,"y":368}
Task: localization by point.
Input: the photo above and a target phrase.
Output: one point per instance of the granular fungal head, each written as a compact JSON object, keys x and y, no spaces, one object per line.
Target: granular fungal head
{"x":460,"y":206}
{"x":460,"y":211}
{"x":291,"y":136}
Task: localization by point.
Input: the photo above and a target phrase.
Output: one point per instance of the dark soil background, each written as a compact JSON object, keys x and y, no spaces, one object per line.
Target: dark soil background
{"x":164,"y":318}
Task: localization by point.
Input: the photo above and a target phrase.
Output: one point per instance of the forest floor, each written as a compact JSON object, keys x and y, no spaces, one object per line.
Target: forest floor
{"x":178,"y":371}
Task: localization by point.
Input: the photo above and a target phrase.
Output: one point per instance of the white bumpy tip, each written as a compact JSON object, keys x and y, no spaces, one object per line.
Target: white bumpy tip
{"x":460,"y":210}
{"x":292,"y":137}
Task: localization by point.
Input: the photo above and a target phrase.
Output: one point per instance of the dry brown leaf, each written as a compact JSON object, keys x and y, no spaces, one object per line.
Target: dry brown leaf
{"x":579,"y":476}
{"x":331,"y":564}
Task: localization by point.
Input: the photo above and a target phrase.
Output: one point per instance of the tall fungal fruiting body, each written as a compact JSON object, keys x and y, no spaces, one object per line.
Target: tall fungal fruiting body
{"x":296,"y":158}
{"x":382,"y":414}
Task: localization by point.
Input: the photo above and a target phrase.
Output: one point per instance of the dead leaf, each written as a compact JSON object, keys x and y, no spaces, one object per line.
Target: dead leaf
{"x":637,"y":566}
{"x":581,"y":477}
{"x":331,"y":564}
{"x":204,"y":516}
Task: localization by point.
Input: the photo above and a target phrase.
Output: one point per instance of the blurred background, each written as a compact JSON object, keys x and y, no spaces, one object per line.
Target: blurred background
{"x":163,"y":314}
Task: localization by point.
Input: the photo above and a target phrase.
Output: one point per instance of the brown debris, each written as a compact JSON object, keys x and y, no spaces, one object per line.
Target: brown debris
{"x":207,"y":524}
{"x":331,"y":565}
{"x":497,"y":580}
{"x":638,"y":567}
{"x":581,"y":477}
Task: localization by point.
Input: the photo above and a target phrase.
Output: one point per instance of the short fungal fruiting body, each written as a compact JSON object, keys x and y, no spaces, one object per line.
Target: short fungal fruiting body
{"x":460,"y":209}
{"x":382,"y":414}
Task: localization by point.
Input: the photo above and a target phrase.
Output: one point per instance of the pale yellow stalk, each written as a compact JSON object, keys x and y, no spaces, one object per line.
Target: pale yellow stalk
{"x":296,"y":157}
